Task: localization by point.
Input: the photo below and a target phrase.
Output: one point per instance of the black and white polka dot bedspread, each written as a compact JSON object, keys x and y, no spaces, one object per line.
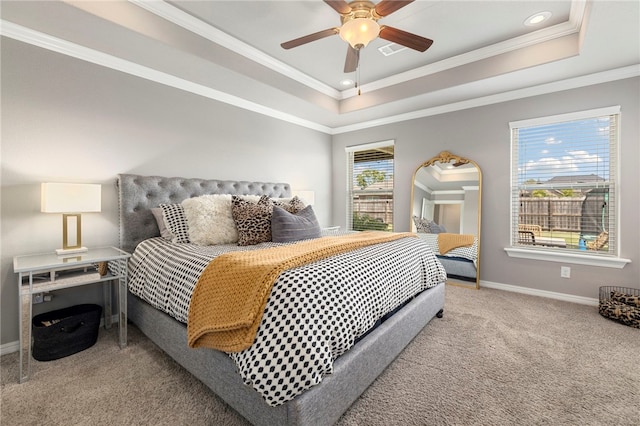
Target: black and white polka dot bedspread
{"x":314,"y":313}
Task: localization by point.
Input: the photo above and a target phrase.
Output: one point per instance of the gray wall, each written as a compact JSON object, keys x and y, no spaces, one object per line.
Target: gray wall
{"x":67,"y":120}
{"x":482,"y":134}
{"x":70,"y":121}
{"x":470,"y":217}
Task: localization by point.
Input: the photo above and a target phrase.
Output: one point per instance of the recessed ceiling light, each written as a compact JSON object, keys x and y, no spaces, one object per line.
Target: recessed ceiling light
{"x":346,"y":82}
{"x":537,"y":19}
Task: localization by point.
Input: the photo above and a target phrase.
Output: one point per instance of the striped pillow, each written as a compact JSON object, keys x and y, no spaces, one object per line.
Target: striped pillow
{"x":287,"y":227}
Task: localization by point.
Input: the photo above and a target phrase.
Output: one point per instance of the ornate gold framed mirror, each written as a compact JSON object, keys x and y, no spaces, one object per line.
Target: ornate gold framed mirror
{"x":446,"y":195}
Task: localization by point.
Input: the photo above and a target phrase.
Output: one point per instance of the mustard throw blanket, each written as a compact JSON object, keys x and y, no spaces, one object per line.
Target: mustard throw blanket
{"x":230,"y":297}
{"x":448,"y":242}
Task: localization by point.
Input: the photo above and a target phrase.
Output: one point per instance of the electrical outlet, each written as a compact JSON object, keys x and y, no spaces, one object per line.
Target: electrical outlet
{"x":37,"y":298}
{"x":565,"y":272}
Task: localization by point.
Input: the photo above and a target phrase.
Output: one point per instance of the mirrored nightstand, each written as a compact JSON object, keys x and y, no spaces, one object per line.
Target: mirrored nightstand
{"x":46,"y":272}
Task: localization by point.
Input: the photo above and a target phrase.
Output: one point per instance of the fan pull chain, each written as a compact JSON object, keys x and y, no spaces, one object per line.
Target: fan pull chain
{"x":358,"y":78}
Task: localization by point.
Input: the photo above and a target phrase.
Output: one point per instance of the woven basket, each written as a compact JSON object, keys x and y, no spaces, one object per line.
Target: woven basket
{"x":63,"y":332}
{"x":621,"y":304}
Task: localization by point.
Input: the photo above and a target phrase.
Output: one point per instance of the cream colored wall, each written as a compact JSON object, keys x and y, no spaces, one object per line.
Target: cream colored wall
{"x":482,"y":134}
{"x":70,"y":121}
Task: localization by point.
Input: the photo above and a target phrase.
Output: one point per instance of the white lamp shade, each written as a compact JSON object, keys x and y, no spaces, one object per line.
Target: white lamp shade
{"x":70,"y":197}
{"x":307,"y":197}
{"x":359,"y":31}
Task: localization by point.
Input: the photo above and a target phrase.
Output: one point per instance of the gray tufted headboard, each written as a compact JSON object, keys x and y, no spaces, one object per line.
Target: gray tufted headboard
{"x":137,"y":195}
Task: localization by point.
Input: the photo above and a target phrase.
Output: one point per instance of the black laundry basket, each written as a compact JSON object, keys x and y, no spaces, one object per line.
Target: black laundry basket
{"x":64,"y":332}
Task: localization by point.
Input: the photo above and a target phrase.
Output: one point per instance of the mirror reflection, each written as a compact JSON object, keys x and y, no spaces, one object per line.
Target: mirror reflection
{"x":445,"y":212}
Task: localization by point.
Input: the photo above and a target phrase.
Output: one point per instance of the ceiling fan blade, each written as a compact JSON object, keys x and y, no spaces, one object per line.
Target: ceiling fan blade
{"x":309,"y":38}
{"x":353,"y":57}
{"x":412,"y":41}
{"x":340,"y":6}
{"x":387,"y":7}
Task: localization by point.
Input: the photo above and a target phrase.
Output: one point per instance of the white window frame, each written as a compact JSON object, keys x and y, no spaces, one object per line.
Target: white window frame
{"x":560,"y":255}
{"x":349,"y":190}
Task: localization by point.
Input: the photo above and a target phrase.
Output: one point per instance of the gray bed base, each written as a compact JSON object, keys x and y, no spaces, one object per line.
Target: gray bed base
{"x":323,"y":404}
{"x":459,"y":268}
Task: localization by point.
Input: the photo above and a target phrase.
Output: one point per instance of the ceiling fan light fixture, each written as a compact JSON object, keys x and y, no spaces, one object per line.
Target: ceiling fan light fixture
{"x":359,"y":32}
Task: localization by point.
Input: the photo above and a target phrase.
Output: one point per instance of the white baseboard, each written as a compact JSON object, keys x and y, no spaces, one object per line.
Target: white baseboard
{"x":11,"y":347}
{"x":542,"y":293}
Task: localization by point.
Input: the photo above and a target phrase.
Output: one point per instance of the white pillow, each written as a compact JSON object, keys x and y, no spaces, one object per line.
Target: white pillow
{"x":210,"y":220}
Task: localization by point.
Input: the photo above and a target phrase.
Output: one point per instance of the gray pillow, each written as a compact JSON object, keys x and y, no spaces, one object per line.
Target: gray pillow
{"x":287,"y":227}
{"x":437,"y":229}
{"x":164,"y":232}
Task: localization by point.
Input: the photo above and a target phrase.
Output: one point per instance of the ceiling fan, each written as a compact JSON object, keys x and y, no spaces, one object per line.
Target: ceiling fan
{"x":360,"y":26}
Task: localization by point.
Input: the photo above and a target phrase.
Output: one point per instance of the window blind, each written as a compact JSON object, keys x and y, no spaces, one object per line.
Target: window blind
{"x":564,"y":176}
{"x":370,"y":187}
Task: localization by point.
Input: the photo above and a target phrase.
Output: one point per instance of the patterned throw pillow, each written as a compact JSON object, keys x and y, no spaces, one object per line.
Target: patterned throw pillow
{"x":253,"y":220}
{"x":176,"y":222}
{"x":422,"y":225}
{"x":287,"y":227}
{"x":292,"y":205}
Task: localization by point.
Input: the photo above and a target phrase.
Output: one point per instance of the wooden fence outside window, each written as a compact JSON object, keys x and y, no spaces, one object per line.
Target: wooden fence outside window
{"x":552,"y":214}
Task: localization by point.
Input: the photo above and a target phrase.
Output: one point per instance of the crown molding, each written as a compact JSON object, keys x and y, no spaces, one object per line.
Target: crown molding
{"x":448,"y":192}
{"x":567,"y":84}
{"x":196,"y":26}
{"x":573,"y":25}
{"x":54,"y":44}
{"x":190,"y":23}
{"x":423,"y":187}
{"x":67,"y":48}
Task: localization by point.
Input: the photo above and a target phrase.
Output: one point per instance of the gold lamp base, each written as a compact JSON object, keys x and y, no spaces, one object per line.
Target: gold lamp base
{"x":71,"y":241}
{"x":64,"y":252}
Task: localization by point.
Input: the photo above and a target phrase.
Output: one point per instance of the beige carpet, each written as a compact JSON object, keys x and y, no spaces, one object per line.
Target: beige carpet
{"x":496,"y":358}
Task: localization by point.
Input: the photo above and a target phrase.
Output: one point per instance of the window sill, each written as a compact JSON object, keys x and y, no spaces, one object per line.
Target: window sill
{"x":575,"y":258}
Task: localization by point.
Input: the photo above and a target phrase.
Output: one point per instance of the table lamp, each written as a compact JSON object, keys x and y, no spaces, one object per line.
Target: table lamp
{"x":70,"y":199}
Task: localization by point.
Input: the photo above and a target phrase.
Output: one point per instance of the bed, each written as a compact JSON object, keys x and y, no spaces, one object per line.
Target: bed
{"x":349,"y":374}
{"x":459,"y":262}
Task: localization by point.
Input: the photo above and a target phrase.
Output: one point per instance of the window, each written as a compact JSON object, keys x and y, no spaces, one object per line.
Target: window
{"x":563,"y":183}
{"x":370,"y":187}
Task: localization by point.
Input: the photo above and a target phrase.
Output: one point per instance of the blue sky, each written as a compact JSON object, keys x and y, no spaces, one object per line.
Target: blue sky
{"x":564,"y":149}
